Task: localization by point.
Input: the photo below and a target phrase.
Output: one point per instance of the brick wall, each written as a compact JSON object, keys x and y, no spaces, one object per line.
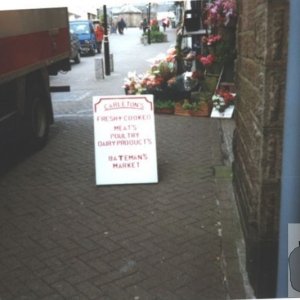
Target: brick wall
{"x":257,"y":143}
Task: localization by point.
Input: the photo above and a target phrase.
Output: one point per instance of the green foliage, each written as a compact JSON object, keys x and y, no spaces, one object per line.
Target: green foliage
{"x":193,"y":106}
{"x":157,"y":36}
{"x":224,"y":51}
{"x":164,"y":104}
{"x":164,"y":69}
{"x":155,"y":27}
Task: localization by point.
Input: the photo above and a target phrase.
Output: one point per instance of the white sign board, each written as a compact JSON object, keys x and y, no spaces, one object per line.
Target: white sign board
{"x":125,"y":143}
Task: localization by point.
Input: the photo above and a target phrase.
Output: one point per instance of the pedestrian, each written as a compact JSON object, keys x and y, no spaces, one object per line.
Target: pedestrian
{"x":99,"y":33}
{"x":165,"y":23}
{"x":145,"y":25}
{"x":121,"y":25}
{"x":113,"y":28}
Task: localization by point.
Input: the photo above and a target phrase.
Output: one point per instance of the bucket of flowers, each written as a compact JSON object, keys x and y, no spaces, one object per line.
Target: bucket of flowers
{"x":134,"y":84}
{"x":211,"y":42}
{"x":155,"y":80}
{"x":221,"y":13}
{"x":210,"y":64}
{"x":223,"y":103}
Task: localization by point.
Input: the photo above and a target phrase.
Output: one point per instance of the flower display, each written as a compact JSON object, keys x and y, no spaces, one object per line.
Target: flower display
{"x":222,"y":99}
{"x":211,"y":39}
{"x":191,"y":76}
{"x":152,"y":81}
{"x":206,"y":60}
{"x":221,"y":12}
{"x":163,"y":68}
{"x":219,"y":47}
{"x":172,"y":52}
{"x":133,"y":84}
{"x":153,"y":22}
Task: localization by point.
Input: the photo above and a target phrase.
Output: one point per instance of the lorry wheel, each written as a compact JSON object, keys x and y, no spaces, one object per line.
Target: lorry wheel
{"x":77,"y":58}
{"x":38,"y":120}
{"x":93,"y":52}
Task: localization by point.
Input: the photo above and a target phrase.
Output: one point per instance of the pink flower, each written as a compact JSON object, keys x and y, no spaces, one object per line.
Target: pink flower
{"x":220,"y":12}
{"x":207,"y":60}
{"x":211,"y":39}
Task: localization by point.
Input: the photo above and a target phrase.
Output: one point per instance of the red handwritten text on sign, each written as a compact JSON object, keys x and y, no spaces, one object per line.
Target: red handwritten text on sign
{"x":125,"y":145}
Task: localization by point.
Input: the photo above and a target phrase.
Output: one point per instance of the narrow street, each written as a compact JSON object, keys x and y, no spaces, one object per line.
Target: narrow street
{"x":62,"y":237}
{"x":129,"y":55}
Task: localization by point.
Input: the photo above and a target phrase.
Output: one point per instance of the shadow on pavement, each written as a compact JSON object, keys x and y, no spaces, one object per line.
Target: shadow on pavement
{"x":12,"y":155}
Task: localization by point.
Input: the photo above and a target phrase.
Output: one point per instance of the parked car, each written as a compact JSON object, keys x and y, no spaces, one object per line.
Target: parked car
{"x":84,"y":30}
{"x":75,"y":48}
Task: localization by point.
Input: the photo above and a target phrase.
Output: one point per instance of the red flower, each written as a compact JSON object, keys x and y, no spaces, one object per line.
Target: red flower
{"x":206,"y":60}
{"x":227,"y":96}
{"x":213,"y":39}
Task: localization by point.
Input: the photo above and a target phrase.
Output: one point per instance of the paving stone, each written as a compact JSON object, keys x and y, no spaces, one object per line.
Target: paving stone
{"x":61,"y":237}
{"x":90,"y":290}
{"x":65,"y":289}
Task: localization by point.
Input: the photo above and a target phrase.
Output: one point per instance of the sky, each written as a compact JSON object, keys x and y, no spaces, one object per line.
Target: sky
{"x":19,"y":4}
{"x":74,"y":6}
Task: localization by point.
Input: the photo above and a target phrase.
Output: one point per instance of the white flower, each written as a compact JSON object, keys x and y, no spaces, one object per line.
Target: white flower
{"x":131,"y":75}
{"x":215,"y":98}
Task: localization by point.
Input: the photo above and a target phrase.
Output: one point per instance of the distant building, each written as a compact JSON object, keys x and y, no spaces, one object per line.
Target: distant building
{"x":131,"y":15}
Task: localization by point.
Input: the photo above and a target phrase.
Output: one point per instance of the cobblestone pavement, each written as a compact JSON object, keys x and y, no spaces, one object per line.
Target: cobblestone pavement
{"x":62,"y":237}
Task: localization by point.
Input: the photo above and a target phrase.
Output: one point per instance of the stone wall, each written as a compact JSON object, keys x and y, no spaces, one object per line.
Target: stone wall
{"x":257,"y":142}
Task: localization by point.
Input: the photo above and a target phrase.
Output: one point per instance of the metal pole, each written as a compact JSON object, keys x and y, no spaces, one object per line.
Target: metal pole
{"x":106,"y":43}
{"x":149,"y":21}
{"x":290,"y":179}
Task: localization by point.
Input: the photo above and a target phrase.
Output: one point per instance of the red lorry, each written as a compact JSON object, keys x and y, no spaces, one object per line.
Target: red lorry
{"x":34,"y":44}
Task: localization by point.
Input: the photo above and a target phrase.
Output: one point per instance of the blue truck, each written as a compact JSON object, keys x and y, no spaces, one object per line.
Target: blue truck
{"x":84,"y":30}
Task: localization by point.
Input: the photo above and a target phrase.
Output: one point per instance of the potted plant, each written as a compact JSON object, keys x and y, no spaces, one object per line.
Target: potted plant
{"x":221,"y":13}
{"x":202,"y":106}
{"x":221,"y":17}
{"x":133,"y":84}
{"x":155,"y":80}
{"x":183,"y":108}
{"x":199,"y":103}
{"x":164,"y":106}
{"x":199,"y":108}
{"x":156,"y":36}
{"x":222,"y":99}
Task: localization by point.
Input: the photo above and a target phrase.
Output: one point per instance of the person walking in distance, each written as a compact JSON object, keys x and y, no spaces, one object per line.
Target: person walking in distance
{"x":165,"y":23}
{"x":121,"y":25}
{"x":99,"y":32}
{"x":145,"y":25}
